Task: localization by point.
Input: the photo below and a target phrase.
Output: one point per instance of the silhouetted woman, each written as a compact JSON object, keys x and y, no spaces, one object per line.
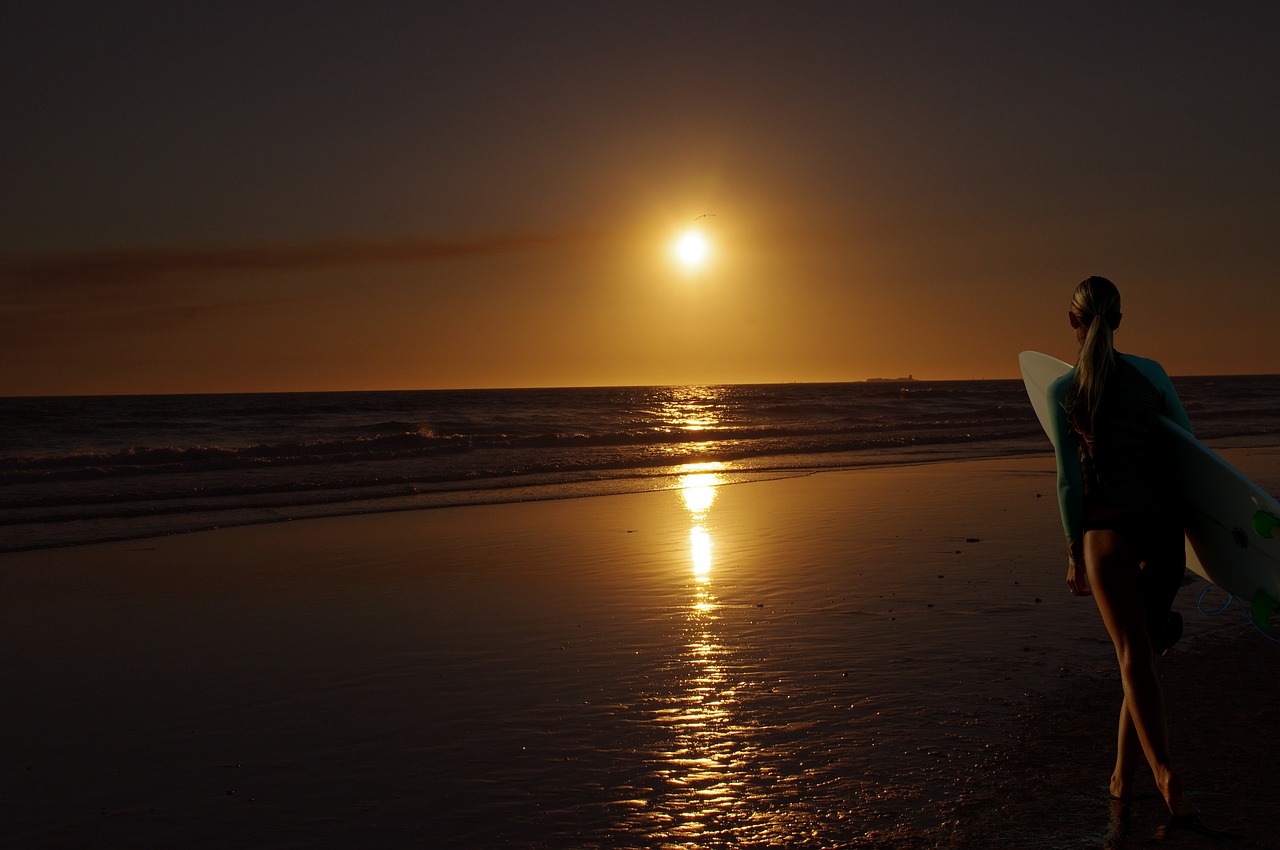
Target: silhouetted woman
{"x":1121,"y":514}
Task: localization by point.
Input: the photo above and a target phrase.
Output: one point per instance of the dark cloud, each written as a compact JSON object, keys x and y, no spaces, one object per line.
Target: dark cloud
{"x":135,"y":265}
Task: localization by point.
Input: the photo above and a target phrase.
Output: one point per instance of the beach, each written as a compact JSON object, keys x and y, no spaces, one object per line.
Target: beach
{"x":883,"y":657}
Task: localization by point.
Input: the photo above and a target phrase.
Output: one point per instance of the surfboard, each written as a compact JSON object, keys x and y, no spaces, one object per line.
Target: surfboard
{"x":1232,"y":525}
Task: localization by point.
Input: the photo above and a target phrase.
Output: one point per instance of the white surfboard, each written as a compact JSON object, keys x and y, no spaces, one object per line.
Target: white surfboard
{"x":1230,"y":524}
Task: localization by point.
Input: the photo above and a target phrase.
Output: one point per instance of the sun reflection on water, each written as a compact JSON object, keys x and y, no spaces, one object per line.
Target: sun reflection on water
{"x":704,"y":767}
{"x":698,"y":490}
{"x":691,"y":408}
{"x":723,"y":767}
{"x":698,"y":483}
{"x":700,"y":546}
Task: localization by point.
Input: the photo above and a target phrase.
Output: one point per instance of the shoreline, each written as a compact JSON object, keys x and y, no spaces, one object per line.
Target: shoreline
{"x":858,"y":658}
{"x":53,"y":535}
{"x":498,"y":491}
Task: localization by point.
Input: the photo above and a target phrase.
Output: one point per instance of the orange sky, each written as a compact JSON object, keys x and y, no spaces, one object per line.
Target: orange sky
{"x":327,"y":196}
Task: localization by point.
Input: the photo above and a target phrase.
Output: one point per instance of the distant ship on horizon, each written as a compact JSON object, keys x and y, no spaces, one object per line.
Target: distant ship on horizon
{"x":907,"y":379}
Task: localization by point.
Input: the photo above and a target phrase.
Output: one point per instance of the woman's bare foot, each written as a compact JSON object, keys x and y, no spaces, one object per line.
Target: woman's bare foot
{"x":1120,"y":784}
{"x":1174,"y":797}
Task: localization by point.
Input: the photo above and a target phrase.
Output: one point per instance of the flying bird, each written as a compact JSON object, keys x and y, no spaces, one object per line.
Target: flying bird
{"x":706,"y":215}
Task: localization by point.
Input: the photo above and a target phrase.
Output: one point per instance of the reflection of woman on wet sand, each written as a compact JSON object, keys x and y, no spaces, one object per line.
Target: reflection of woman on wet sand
{"x":1124,"y":538}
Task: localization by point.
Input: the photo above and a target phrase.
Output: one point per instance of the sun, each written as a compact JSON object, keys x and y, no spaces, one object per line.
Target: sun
{"x":692,"y":249}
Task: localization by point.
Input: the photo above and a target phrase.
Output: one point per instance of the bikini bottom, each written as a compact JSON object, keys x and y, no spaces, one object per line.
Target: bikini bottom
{"x":1156,"y":540}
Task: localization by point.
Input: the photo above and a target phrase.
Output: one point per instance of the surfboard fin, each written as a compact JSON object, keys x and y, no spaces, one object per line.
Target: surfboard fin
{"x":1261,"y":609}
{"x":1265,"y":523}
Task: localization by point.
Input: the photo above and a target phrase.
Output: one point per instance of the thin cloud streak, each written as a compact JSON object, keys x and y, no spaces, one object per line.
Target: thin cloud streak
{"x":135,"y":265}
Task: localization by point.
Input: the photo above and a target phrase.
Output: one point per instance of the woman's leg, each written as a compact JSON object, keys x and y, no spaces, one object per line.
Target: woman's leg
{"x":1114,"y":576}
{"x":1128,"y":754}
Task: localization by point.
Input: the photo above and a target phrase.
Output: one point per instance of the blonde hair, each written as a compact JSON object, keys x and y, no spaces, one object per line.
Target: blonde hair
{"x":1096,"y":305}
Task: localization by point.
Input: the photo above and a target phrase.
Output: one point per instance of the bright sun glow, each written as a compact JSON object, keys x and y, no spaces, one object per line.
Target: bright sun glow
{"x":692,"y":249}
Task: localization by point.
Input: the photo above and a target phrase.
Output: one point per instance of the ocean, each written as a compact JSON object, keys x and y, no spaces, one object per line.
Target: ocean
{"x":85,"y":469}
{"x":881,"y":660}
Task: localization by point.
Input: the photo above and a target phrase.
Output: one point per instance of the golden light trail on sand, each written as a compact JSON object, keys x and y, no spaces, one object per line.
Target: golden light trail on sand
{"x":703,"y":757}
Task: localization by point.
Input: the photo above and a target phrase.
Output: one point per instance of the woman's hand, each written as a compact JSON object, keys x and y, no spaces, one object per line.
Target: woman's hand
{"x":1077,"y":578}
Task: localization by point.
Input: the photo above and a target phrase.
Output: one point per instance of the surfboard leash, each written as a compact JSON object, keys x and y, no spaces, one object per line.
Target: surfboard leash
{"x":1231,"y":597}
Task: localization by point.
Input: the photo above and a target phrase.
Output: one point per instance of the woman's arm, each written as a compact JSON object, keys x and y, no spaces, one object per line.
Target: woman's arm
{"x":1070,"y":482}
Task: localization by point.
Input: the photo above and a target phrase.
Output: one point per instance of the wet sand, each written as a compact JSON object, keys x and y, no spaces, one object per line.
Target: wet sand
{"x":874,"y":658}
{"x":1220,"y":692}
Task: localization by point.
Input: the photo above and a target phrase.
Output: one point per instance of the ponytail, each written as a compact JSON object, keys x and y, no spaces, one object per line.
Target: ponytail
{"x":1096,"y":306}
